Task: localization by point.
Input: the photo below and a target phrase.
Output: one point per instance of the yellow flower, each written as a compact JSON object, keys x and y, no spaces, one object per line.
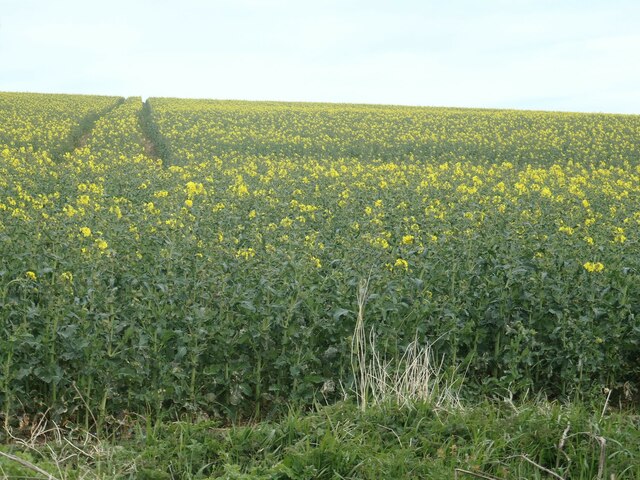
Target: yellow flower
{"x":316,"y":262}
{"x":408,"y":239}
{"x":620,"y":238}
{"x":101,"y":244}
{"x":242,"y":190}
{"x":188,"y":202}
{"x":69,"y":210}
{"x":31,"y":275}
{"x":246,"y":253}
{"x":66,"y":277}
{"x":151,"y":208}
{"x":116,"y":210}
{"x":192,"y":189}
{"x":402,"y":264}
{"x":380,"y":242}
{"x":85,"y":231}
{"x":593,"y":267}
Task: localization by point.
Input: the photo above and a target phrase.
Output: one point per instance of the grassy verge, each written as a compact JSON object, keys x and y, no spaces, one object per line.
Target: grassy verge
{"x":497,"y":439}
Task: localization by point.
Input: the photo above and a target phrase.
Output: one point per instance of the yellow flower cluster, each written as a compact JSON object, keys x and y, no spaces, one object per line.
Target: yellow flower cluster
{"x":593,"y":267}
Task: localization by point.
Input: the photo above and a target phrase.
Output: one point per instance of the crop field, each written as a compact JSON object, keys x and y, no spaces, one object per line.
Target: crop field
{"x":204,"y":258}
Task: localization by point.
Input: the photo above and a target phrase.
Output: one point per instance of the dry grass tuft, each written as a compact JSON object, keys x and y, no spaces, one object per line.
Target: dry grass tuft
{"x":415,"y":377}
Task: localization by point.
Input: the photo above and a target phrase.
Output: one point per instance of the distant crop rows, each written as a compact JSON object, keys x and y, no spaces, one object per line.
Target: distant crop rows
{"x":222,"y":277}
{"x":52,"y":123}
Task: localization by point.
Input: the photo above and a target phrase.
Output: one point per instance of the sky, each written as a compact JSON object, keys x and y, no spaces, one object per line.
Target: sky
{"x":566,"y":55}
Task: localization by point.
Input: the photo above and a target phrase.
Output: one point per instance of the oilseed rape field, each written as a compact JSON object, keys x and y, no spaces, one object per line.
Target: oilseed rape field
{"x":205,"y":257}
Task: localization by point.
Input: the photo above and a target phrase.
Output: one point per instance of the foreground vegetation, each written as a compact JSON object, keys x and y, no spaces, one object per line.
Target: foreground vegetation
{"x":495,"y":439}
{"x":205,"y":259}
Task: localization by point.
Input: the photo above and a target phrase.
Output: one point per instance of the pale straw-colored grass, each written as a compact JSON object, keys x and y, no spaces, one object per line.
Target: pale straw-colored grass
{"x":415,"y":377}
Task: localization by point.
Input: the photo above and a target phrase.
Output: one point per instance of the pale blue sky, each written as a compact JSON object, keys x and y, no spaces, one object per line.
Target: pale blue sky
{"x":534,"y":54}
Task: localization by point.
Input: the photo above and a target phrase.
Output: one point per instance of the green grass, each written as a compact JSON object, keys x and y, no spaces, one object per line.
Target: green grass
{"x":342,"y":441}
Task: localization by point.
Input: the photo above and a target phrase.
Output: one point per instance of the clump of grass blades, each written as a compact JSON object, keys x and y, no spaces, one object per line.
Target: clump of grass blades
{"x":415,"y":377}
